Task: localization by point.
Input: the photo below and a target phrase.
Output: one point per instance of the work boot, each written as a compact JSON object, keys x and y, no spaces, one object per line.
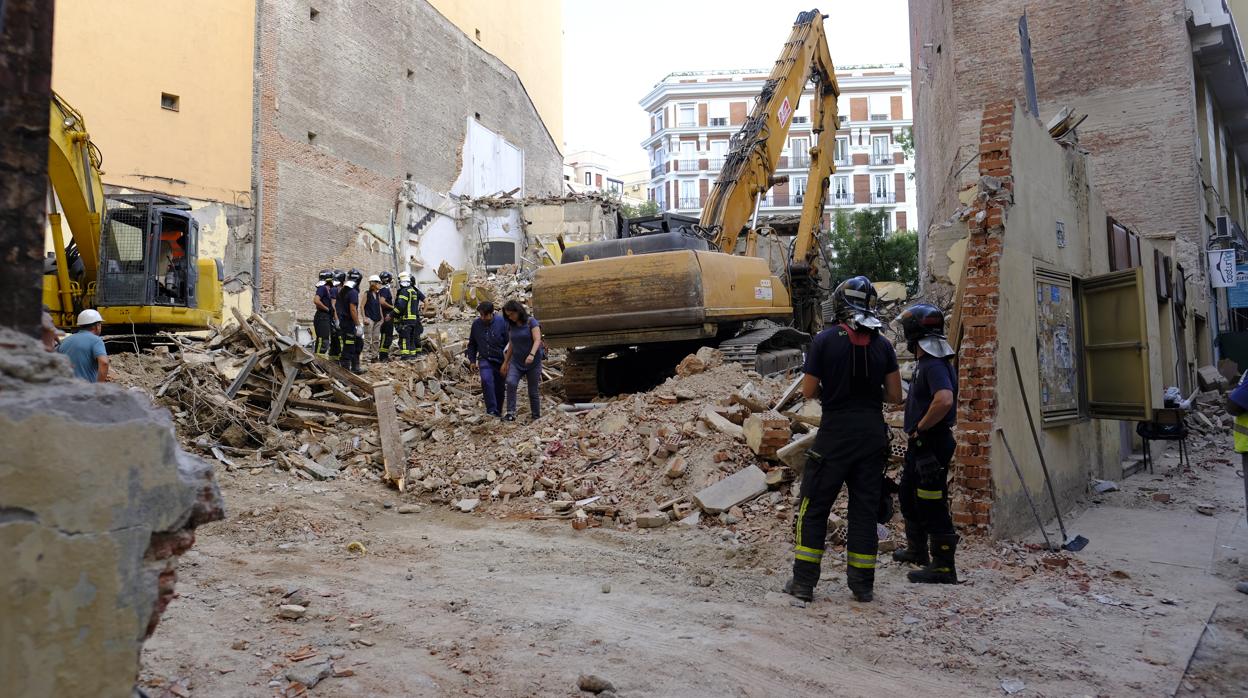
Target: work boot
{"x":860,"y":581}
{"x":942,"y":569}
{"x":801,"y":592}
{"x":915,"y":552}
{"x":509,"y":417}
{"x":355,"y":367}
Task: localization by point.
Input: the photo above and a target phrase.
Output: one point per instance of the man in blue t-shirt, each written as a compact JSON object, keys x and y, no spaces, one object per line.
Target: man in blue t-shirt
{"x":487,"y":342}
{"x":853,"y":371}
{"x":929,"y":419}
{"x":85,"y":349}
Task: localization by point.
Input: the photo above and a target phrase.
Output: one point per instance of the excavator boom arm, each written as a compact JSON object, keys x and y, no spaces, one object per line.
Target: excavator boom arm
{"x":74,"y":173}
{"x":754,"y":153}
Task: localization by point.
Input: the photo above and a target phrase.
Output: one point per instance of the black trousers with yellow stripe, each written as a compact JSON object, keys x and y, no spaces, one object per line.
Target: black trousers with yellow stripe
{"x":850,"y":451}
{"x":925,"y":502}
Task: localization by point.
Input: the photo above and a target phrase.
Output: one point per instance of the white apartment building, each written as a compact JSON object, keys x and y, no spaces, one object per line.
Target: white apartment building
{"x":693,"y":115}
{"x":588,"y":170}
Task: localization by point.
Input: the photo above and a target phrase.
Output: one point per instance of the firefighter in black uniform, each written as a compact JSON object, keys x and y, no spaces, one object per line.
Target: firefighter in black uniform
{"x":929,"y":424}
{"x":853,"y":371}
{"x":387,"y":316}
{"x":335,"y":338}
{"x":322,"y":321}
{"x":407,"y":314}
{"x":351,"y":322}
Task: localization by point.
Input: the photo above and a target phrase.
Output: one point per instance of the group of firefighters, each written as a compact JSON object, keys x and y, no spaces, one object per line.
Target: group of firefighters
{"x":344,"y":322}
{"x":853,"y":371}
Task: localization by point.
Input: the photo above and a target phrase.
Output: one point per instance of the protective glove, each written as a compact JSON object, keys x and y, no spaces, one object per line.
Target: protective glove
{"x":359,"y":330}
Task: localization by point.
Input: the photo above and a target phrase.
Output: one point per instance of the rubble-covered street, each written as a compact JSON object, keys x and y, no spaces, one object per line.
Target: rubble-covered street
{"x":520,"y":556}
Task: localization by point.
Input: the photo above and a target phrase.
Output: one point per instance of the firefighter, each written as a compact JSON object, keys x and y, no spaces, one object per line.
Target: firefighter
{"x":929,"y":418}
{"x":407,"y":313}
{"x":322,"y":322}
{"x":853,"y":371}
{"x":1237,"y":404}
{"x":386,"y":296}
{"x":351,"y":322}
{"x":335,"y":337}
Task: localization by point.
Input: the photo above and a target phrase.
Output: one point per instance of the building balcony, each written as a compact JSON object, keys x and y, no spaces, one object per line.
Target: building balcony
{"x":689,"y":202}
{"x":715,"y":164}
{"x":795,"y":161}
{"x":687,"y":165}
{"x":883,"y":197}
{"x":843,"y":162}
{"x":842,"y":199}
{"x":881,"y":159}
{"x":656,"y":171}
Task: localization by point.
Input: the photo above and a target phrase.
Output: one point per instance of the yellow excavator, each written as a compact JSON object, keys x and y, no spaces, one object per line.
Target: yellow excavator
{"x":630,"y":308}
{"x":134,"y":258}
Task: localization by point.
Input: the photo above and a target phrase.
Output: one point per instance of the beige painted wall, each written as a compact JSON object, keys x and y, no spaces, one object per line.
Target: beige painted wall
{"x":112,"y":60}
{"x":527,"y":35}
{"x":1051,"y":184}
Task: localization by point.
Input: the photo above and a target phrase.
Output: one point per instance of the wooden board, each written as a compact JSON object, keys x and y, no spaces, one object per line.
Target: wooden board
{"x":251,"y":332}
{"x":335,"y":370}
{"x":279,"y":403}
{"x":328,"y":406}
{"x":243,"y":374}
{"x":394,"y":456}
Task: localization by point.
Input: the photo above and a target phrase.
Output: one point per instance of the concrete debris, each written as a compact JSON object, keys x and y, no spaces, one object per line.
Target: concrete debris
{"x":593,"y":683}
{"x":309,"y":674}
{"x":652,"y":519}
{"x":1210,"y":378}
{"x":766,"y":433}
{"x":735,"y":489}
{"x":1103,"y":486}
{"x":291,"y":611}
{"x":408,"y":509}
{"x":468,"y":505}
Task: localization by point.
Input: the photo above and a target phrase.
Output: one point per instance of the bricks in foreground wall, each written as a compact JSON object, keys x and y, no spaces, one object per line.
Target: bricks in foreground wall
{"x":971,"y":486}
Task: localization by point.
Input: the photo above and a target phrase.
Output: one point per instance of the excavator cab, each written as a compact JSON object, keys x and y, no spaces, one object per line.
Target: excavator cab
{"x":148,"y":245}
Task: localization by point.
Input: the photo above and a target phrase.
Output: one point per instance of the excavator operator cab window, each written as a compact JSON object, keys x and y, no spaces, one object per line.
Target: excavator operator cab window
{"x":171,"y":261}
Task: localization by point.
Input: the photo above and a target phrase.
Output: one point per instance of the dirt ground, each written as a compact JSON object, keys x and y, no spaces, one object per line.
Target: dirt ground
{"x":442,"y":603}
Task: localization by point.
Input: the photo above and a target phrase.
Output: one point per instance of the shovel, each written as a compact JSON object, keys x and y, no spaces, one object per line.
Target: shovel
{"x":1073,"y":542}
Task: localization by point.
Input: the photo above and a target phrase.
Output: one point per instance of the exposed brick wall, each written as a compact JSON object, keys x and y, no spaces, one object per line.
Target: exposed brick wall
{"x":972,"y":490}
{"x":1125,"y":63}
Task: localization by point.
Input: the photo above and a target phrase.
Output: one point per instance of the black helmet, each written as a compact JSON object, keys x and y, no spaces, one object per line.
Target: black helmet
{"x":355,"y":275}
{"x":385,"y":277}
{"x":853,"y":296}
{"x":339,"y":276}
{"x":325,"y":275}
{"x":922,"y":320}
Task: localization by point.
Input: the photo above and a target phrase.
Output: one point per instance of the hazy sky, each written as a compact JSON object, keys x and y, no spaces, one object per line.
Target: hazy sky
{"x":615,"y":52}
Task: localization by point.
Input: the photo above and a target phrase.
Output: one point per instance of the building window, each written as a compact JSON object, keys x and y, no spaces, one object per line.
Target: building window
{"x":656,"y":119}
{"x":170,"y":102}
{"x":841,"y":194}
{"x":798,"y":187}
{"x":879,"y":192}
{"x":685,"y":116}
{"x":717,"y":110}
{"x":879,"y":107}
{"x":801,"y":119}
{"x":689,"y":194}
{"x":799,"y":152}
{"x":589,"y":178}
{"x":688,"y":156}
{"x":842,"y":151}
{"x":719,"y":121}
{"x":719,"y":151}
{"x":881,"y":150}
{"x":888,"y":223}
{"x":842,"y":120}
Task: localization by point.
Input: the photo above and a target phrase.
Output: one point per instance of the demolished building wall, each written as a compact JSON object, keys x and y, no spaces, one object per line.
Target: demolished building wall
{"x":359,"y":106}
{"x":1027,"y":185}
{"x":1127,"y":65}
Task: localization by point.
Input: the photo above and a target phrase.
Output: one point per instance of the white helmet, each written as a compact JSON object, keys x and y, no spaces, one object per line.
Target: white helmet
{"x":374,"y":279}
{"x":89,"y":317}
{"x":405,"y":278}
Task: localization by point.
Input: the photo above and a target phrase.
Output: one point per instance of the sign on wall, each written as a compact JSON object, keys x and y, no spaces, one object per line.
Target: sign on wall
{"x":1237,"y":295}
{"x":1221,"y":268}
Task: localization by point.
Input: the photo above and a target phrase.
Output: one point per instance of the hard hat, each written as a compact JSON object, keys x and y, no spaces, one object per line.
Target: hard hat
{"x":922,"y":320}
{"x":854,"y":296}
{"x":386,"y":277}
{"x":325,"y":275}
{"x":355,"y":275}
{"x":405,"y":275}
{"x":89,"y":317}
{"x":339,"y":276}
{"x":374,"y":279}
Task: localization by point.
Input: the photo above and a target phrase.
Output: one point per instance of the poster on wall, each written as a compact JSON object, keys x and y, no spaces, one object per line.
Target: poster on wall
{"x":1221,"y":268}
{"x":1055,"y":348}
{"x":1237,"y":295}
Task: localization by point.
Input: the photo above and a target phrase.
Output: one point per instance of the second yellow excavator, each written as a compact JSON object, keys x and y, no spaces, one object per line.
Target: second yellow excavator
{"x":630,"y":308}
{"x":134,"y":258}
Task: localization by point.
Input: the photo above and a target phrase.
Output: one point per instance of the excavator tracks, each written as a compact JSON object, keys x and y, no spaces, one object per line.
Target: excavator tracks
{"x":768,"y":350}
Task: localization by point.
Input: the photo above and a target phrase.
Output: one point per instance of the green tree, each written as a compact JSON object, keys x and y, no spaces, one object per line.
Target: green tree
{"x":646,"y":208}
{"x":860,"y":246}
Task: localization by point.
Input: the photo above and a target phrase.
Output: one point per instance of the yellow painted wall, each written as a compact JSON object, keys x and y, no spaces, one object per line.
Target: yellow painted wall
{"x":1075,"y":453}
{"x":112,"y":59}
{"x":527,"y":35}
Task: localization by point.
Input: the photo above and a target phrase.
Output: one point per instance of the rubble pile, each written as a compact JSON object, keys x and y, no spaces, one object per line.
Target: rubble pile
{"x":457,"y":298}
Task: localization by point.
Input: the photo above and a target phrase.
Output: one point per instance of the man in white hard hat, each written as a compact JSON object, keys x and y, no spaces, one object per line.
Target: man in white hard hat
{"x":85,"y":349}
{"x":372,"y":316}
